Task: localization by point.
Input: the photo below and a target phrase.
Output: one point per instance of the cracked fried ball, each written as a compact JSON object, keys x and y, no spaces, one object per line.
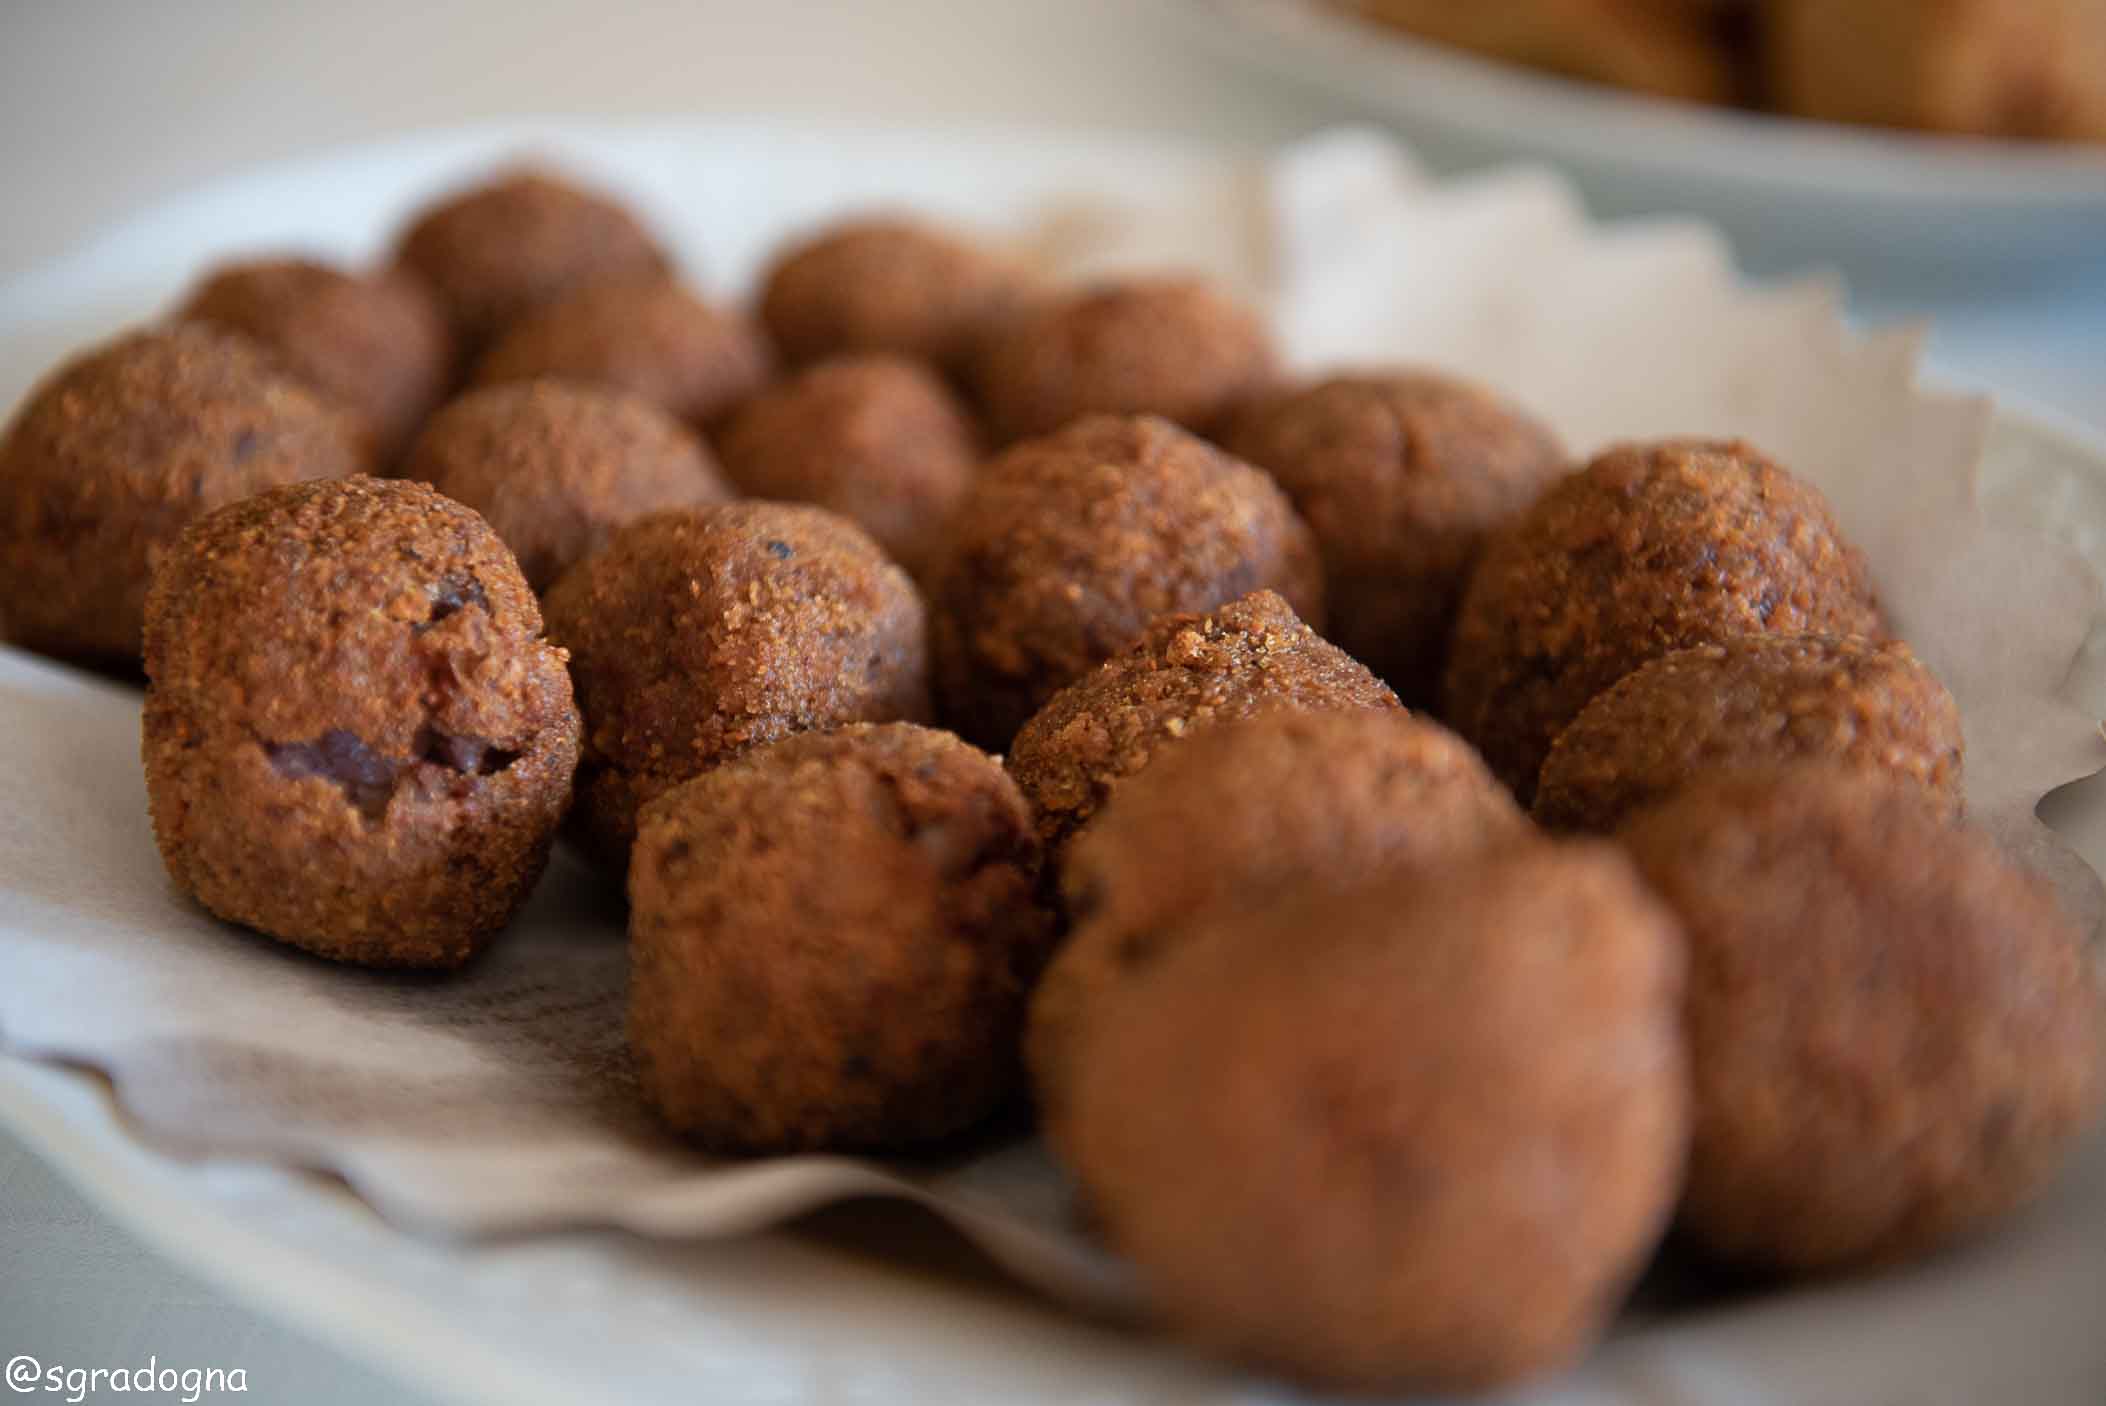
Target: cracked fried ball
{"x":1234,"y":814}
{"x":700,"y":633}
{"x":1168,"y":346}
{"x":1896,"y":1036}
{"x":832,"y":939}
{"x":1409,"y":1137}
{"x":118,"y":449}
{"x":376,"y":343}
{"x":877,"y":438}
{"x":557,"y":467}
{"x":1753,"y":701}
{"x":1400,"y":475}
{"x":650,"y":337}
{"x":1649,"y":549}
{"x":1066,"y":547}
{"x":497,"y":250}
{"x":1185,"y":674}
{"x":356,"y":739}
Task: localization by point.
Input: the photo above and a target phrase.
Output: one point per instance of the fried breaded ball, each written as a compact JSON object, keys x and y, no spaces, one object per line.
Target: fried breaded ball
{"x":118,"y":449}
{"x":556,"y":467}
{"x":497,"y":250}
{"x":356,"y":739}
{"x":648,"y":336}
{"x":877,"y":438}
{"x":1895,"y":1035}
{"x":1753,"y":701}
{"x":1229,"y":817}
{"x":1409,"y":1137}
{"x":698,"y":634}
{"x":889,"y":284}
{"x":1672,"y":48}
{"x":1649,"y":549}
{"x":376,"y":343}
{"x":1400,"y":475}
{"x":1185,"y":674}
{"x":1066,"y":547}
{"x":1168,"y":346}
{"x":832,"y":938}
{"x":1989,"y":67}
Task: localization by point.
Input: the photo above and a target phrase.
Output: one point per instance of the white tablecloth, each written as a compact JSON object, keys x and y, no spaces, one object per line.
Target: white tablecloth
{"x":106,"y":105}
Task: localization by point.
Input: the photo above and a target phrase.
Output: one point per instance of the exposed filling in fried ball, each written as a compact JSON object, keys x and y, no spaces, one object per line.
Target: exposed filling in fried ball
{"x":356,"y":739}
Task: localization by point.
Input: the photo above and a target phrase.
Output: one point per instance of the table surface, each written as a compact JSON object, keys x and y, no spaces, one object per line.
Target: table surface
{"x":109,"y":105}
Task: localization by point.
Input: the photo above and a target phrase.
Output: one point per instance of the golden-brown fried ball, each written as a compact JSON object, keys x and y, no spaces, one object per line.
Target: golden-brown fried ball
{"x":647,"y":336}
{"x":832,"y":939}
{"x":1895,"y":1036}
{"x":1672,"y":48}
{"x":1185,"y":674}
{"x":1240,"y":811}
{"x":1753,"y":701}
{"x":877,"y":438}
{"x":118,"y":449}
{"x":376,"y":343}
{"x":2035,"y":68}
{"x":1169,"y":346}
{"x":1649,"y":549}
{"x":557,"y":467}
{"x":356,"y":739}
{"x":698,"y":634}
{"x":1411,"y":1137}
{"x":1400,"y":475}
{"x":887,"y":284}
{"x":497,"y":250}
{"x":1066,"y":548}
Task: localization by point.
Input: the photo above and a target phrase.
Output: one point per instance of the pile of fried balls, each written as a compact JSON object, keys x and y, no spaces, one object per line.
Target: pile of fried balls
{"x":1407,"y":872}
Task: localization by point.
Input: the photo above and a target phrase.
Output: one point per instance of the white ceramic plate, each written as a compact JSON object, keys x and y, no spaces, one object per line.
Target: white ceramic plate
{"x":607,"y":1317}
{"x":1801,"y":192}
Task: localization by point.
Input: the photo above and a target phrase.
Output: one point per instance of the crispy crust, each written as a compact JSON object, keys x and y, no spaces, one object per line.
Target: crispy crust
{"x":832,"y":940}
{"x":1759,"y":700}
{"x":1238,"y":812}
{"x":1649,"y":549}
{"x":1187,"y":673}
{"x":1067,"y":547}
{"x":1400,"y":476}
{"x":698,"y":634}
{"x":556,"y":468}
{"x":118,"y":449}
{"x":355,"y":738}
